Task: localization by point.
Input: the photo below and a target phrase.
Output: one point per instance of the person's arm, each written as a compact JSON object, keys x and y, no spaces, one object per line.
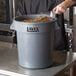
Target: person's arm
{"x":62,"y":7}
{"x":70,"y":2}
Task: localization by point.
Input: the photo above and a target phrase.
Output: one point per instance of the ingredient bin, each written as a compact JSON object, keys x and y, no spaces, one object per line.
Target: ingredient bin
{"x":34,"y":41}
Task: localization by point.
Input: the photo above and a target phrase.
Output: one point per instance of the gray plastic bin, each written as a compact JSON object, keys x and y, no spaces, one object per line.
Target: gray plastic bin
{"x":35,"y":42}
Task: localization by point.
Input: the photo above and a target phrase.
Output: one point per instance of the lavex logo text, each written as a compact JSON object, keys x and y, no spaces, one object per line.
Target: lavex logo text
{"x":32,"y":29}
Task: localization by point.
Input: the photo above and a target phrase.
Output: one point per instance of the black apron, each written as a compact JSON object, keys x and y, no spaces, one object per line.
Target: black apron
{"x":35,"y":6}
{"x":39,"y":6}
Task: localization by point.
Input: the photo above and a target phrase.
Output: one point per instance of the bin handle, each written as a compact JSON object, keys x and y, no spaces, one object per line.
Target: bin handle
{"x":12,"y":27}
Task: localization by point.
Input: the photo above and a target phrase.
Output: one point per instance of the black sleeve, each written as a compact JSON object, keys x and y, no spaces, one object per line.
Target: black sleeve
{"x":74,"y":0}
{"x":21,"y":8}
{"x":59,"y":1}
{"x":53,"y":3}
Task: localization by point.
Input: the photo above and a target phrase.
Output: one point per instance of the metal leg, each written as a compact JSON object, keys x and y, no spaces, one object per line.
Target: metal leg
{"x":71,"y":71}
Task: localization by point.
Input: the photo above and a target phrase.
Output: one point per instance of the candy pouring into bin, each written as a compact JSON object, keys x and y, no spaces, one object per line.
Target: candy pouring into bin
{"x":35,"y":40}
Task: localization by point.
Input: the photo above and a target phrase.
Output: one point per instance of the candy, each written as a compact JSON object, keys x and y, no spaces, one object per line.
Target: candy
{"x":38,"y":19}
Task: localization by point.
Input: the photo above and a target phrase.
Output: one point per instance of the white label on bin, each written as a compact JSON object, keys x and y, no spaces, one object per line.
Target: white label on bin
{"x":32,"y":29}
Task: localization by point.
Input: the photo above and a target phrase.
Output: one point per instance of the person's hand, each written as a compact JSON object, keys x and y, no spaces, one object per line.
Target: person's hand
{"x":61,"y":8}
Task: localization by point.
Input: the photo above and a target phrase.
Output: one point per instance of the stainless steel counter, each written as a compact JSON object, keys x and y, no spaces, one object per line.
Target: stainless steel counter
{"x":9,"y":62}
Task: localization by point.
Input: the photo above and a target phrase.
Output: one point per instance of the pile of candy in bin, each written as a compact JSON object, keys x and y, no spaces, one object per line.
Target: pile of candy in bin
{"x":38,"y":19}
